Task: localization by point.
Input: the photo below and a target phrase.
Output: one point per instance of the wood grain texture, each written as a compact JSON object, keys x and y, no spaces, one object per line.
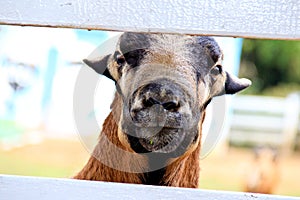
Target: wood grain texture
{"x":25,"y":188}
{"x":277,"y":19}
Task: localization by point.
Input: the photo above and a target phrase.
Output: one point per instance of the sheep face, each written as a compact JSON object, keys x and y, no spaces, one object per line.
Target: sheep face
{"x":165,"y":83}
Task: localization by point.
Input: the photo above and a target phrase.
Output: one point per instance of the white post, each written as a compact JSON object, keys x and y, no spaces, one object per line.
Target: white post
{"x":291,"y":121}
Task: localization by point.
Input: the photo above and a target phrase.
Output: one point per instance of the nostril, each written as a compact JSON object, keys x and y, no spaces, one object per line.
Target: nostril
{"x":150,"y":102}
{"x":171,"y":106}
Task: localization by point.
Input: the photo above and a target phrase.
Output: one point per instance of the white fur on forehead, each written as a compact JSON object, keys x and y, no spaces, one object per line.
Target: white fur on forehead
{"x":170,"y":48}
{"x":170,"y":43}
{"x":177,"y":44}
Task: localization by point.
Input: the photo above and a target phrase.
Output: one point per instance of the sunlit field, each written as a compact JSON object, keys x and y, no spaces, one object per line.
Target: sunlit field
{"x":220,"y":170}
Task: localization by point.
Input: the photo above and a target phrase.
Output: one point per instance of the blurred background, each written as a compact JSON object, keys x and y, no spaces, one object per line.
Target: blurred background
{"x":260,"y":141}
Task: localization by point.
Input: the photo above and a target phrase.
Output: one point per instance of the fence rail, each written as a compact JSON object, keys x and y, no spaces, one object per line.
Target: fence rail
{"x":23,"y":188}
{"x":239,"y":18}
{"x":261,"y":120}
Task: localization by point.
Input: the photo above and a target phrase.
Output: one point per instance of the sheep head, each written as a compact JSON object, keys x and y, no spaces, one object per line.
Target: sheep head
{"x":164,"y":83}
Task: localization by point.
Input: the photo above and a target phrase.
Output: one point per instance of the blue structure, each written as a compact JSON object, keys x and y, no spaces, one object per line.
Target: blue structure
{"x":45,"y":48}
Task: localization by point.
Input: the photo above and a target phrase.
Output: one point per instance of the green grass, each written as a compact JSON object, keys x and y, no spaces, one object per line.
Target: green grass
{"x":21,"y":166}
{"x":10,"y":130}
{"x":49,"y":159}
{"x":212,"y":183}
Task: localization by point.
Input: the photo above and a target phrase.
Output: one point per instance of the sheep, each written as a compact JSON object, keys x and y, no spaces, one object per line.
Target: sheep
{"x":263,"y":172}
{"x":163,"y":83}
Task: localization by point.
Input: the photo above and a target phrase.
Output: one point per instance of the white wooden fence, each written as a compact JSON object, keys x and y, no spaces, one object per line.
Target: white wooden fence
{"x":239,"y":18}
{"x":22,"y":188}
{"x":271,"y":121}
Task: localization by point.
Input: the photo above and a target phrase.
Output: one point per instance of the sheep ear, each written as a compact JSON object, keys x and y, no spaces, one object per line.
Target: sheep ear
{"x":100,"y":66}
{"x":234,"y":84}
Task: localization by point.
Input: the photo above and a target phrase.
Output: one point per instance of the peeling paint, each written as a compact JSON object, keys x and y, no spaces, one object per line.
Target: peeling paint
{"x":66,"y":4}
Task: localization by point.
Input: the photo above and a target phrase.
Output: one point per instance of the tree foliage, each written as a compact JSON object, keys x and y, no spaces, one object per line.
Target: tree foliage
{"x":272,"y":65}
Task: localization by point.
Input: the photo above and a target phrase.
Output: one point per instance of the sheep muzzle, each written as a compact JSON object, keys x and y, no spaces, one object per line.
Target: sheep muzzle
{"x":158,"y":118}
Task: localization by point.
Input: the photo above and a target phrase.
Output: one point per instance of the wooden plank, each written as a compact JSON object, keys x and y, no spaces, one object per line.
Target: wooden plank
{"x":257,"y":122}
{"x":255,"y":138}
{"x":28,"y":188}
{"x":265,"y":120}
{"x":258,"y":104}
{"x":238,"y":18}
{"x":291,"y":121}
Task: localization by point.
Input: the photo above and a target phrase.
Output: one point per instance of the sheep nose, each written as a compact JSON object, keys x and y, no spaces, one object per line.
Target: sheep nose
{"x":158,"y":104}
{"x":170,"y":105}
{"x":165,"y":94}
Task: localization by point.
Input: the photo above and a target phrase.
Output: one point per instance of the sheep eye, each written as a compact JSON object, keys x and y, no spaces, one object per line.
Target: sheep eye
{"x":134,"y":57}
{"x":120,"y":60}
{"x":217,"y":70}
